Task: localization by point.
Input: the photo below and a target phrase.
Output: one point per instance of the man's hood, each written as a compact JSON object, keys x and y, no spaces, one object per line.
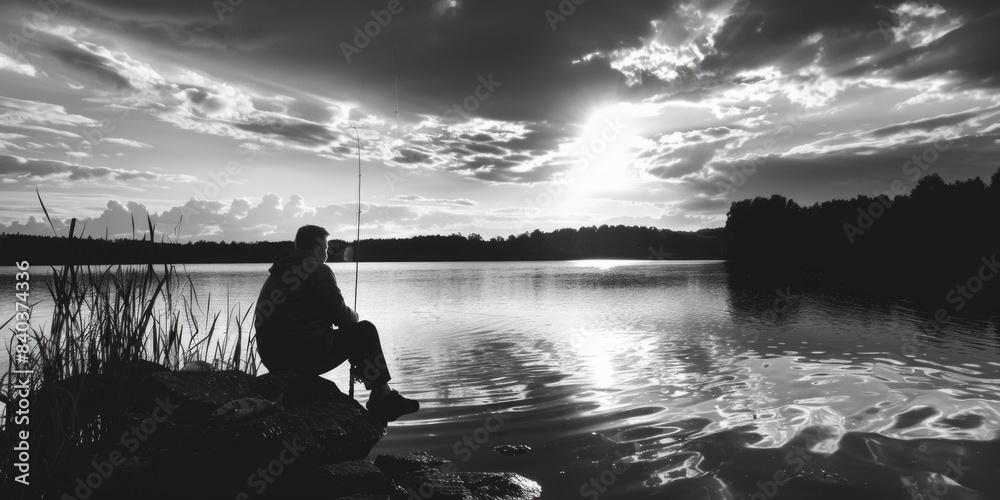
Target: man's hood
{"x":288,"y":258}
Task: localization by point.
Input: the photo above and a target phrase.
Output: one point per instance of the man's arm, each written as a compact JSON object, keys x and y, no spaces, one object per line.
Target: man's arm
{"x":334,"y":308}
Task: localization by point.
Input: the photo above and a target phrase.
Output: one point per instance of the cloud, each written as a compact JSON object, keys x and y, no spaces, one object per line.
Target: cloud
{"x":846,"y":173}
{"x":188,"y":99}
{"x":128,"y":142}
{"x":53,"y":171}
{"x":422,"y":200}
{"x":270,"y":218}
{"x":701,"y":86}
{"x":20,"y":112}
{"x":493,"y":151}
{"x":14,"y":64}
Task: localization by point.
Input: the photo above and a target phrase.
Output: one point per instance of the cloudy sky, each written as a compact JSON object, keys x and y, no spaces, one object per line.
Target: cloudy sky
{"x":234,"y":120}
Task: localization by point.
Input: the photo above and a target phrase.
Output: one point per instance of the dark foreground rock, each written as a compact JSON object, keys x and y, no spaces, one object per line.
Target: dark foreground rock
{"x":410,"y":477}
{"x":314,"y":446}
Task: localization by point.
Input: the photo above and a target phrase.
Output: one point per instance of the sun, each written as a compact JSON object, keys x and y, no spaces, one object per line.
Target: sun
{"x":602,"y":156}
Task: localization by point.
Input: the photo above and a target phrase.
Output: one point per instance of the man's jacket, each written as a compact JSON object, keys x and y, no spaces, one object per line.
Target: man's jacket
{"x":299,"y":301}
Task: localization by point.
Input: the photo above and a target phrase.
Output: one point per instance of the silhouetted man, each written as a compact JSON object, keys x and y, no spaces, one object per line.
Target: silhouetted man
{"x":297,"y":308}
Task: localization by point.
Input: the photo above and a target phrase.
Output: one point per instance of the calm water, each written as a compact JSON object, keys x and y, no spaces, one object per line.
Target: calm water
{"x":653,"y":379}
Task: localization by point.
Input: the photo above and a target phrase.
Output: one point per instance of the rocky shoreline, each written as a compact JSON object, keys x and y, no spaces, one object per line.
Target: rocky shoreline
{"x":314,"y":445}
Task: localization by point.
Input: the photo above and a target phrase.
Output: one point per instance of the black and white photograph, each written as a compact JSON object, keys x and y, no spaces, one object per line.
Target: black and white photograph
{"x":500,"y":250}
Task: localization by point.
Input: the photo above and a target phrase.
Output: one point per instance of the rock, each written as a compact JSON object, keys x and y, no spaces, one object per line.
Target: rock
{"x":512,"y":449}
{"x":317,"y":445}
{"x":348,"y":477}
{"x":228,"y":458}
{"x":134,"y":475}
{"x":197,"y":366}
{"x":246,"y":409}
{"x":301,"y":438}
{"x":299,"y":388}
{"x":358,"y":430}
{"x":197,"y":395}
{"x":431,"y":484}
{"x":499,"y":485}
{"x":393,"y":465}
{"x":84,"y":399}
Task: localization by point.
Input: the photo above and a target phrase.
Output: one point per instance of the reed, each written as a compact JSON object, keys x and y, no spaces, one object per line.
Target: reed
{"x":109,"y":323}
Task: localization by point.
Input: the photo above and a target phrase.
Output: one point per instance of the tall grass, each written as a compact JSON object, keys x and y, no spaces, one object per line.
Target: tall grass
{"x":108,"y":324}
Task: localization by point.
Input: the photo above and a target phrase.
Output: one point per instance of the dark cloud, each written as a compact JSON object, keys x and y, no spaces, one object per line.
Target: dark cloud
{"x":965,"y":55}
{"x":775,"y":32}
{"x":273,"y":77}
{"x":771,"y":32}
{"x":513,"y":41}
{"x":485,"y":148}
{"x":412,"y":155}
{"x":929,"y":124}
{"x":810,"y":178}
{"x":480,"y":137}
{"x":28,"y":169}
{"x":311,"y":134}
{"x":85,"y":60}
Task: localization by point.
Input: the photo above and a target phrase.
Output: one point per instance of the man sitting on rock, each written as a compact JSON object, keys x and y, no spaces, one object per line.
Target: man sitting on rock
{"x":297,"y":308}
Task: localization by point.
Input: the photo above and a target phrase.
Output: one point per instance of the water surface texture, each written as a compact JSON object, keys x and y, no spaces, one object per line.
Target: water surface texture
{"x":655,"y":379}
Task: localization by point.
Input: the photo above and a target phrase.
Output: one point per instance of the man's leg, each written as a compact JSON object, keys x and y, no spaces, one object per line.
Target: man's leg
{"x":359,"y":343}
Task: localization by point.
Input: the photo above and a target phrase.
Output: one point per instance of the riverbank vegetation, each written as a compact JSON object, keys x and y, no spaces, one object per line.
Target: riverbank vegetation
{"x":110,"y":328}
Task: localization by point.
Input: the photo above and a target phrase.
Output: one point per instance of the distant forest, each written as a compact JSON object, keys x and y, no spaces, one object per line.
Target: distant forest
{"x":604,"y":242}
{"x":934,"y":239}
{"x":940,"y":239}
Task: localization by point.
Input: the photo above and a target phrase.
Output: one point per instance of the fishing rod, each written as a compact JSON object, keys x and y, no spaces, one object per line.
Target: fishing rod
{"x":395,"y":83}
{"x":357,"y":249}
{"x":357,"y":244}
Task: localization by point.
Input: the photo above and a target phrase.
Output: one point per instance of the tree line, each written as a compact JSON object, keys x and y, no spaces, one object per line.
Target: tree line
{"x":937,"y":238}
{"x":593,"y":242}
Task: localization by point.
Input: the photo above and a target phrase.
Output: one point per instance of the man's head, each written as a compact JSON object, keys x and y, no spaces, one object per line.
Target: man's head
{"x":312,"y":239}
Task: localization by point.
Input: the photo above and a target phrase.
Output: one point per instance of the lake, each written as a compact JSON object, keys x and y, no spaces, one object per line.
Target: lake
{"x":662,"y":379}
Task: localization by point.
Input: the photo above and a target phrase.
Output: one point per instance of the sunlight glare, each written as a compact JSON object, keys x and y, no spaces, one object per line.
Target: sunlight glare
{"x":603,"y":160}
